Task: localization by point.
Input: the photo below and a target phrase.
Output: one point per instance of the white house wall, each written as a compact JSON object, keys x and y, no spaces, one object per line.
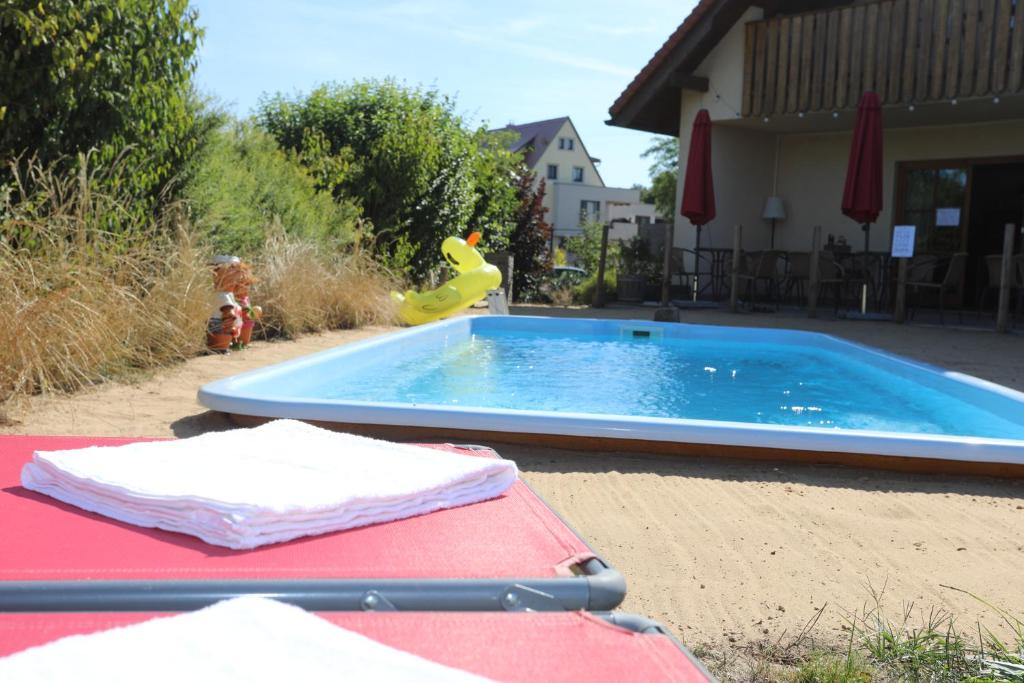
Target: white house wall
{"x":812,"y":171}
{"x":742,"y":160}
{"x":742,"y":164}
{"x":723,"y":67}
{"x":565,"y":159}
{"x":562,"y":196}
{"x":630,"y":212}
{"x":566,"y":218}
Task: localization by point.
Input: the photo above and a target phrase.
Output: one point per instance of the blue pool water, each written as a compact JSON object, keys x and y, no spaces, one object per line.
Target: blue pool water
{"x":641,"y":382}
{"x":697,"y":379}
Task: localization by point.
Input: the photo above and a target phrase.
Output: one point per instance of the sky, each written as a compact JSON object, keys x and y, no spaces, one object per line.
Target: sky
{"x":503,"y":62}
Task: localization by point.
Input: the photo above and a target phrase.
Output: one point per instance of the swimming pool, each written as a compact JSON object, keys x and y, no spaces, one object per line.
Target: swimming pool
{"x":647,"y":386}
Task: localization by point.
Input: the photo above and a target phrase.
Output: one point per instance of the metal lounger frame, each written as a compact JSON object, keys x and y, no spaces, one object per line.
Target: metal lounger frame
{"x":597,"y":588}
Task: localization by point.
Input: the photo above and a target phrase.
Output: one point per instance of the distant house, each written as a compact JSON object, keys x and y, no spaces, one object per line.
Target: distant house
{"x":781,"y":81}
{"x":575,"y":192}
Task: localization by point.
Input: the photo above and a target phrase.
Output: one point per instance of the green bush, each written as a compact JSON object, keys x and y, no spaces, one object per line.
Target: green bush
{"x":243,"y":183}
{"x":93,"y":74}
{"x":417,"y":172}
{"x":587,"y":248}
{"x":583,"y":293}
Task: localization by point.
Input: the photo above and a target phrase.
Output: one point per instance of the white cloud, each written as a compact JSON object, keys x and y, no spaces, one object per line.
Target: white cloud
{"x":540,"y":52}
{"x":628,"y":30}
{"x":520,"y":26}
{"x":412,"y":8}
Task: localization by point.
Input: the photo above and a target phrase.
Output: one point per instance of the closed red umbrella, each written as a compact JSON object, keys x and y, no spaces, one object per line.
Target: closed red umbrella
{"x":862,"y":195}
{"x":698,"y":188}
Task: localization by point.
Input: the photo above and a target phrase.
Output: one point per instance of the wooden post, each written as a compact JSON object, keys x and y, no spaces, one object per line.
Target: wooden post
{"x":666,"y":269}
{"x":900,"y":314}
{"x":1005,"y":280}
{"x":734,"y":275}
{"x":598,"y":301}
{"x":667,"y":312}
{"x":813,"y":276}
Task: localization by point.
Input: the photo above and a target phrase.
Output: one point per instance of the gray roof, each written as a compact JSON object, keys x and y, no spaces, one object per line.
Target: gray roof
{"x":535,"y":137}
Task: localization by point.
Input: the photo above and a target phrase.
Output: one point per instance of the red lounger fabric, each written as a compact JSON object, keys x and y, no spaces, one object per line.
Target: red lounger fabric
{"x":515,"y":535}
{"x":527,"y":647}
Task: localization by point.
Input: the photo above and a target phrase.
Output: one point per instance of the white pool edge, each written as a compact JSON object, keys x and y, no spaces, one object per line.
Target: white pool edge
{"x":229,"y":396}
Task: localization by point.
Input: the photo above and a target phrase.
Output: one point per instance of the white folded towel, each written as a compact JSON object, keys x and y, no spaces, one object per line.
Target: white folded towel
{"x":250,"y":487}
{"x":247,"y":639}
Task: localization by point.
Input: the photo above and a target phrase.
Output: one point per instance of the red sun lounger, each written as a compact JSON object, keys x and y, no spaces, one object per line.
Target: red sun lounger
{"x":527,"y":647}
{"x":511,"y":553}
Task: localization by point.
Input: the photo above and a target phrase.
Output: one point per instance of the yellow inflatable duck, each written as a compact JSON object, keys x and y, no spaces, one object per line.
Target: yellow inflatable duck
{"x":475,"y":277}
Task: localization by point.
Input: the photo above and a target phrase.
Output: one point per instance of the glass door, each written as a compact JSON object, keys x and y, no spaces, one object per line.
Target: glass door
{"x":933,"y":195}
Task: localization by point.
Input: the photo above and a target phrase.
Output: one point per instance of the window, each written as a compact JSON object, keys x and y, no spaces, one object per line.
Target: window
{"x":552,"y":171}
{"x":932,"y":195}
{"x":566,"y":143}
{"x":590,"y":211}
{"x":577,"y":174}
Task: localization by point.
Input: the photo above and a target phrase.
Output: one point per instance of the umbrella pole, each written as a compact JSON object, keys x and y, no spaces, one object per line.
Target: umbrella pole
{"x":696,"y":266}
{"x":866,"y":227}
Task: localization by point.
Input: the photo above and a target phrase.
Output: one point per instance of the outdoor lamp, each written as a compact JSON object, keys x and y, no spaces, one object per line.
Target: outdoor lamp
{"x":774,"y":210}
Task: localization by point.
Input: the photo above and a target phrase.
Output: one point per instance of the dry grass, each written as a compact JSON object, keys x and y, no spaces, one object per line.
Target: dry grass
{"x":81,"y":302}
{"x":88,"y":292}
{"x":309,"y":287}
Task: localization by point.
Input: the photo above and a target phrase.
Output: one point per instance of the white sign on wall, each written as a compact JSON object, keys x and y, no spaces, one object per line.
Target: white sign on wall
{"x":903,"y":241}
{"x":947,"y":217}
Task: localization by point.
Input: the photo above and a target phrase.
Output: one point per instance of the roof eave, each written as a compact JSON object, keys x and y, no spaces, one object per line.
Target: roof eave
{"x":652,"y":102}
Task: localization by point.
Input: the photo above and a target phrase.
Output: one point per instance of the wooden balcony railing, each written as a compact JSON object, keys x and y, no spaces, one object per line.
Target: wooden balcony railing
{"x":905,"y":50}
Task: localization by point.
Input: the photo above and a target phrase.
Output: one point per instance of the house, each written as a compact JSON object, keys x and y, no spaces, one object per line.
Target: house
{"x":574,"y":190}
{"x":781,"y":80}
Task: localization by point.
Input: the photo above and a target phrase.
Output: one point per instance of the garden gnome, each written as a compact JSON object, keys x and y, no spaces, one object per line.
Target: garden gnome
{"x":250,"y":313}
{"x":224,"y":327}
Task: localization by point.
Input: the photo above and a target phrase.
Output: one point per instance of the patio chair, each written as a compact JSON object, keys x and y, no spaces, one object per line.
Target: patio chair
{"x":831,"y":276}
{"x":512,"y":553}
{"x":798,"y":273}
{"x":993,"y":269}
{"x":1016,"y":275}
{"x":1019,"y":286}
{"x":763,"y":267}
{"x":993,"y":272}
{"x":548,"y":646}
{"x":677,"y":268}
{"x":861,"y":270}
{"x":951,"y":282}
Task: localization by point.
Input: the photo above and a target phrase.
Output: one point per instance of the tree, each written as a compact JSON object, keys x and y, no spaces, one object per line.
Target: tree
{"x":663,"y":173}
{"x":497,"y":192}
{"x":418,"y":173}
{"x":646,"y":196}
{"x":103,"y":75}
{"x":531,"y":237}
{"x":586,"y":247}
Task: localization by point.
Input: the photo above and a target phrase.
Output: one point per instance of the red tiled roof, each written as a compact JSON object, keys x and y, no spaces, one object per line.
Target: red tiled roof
{"x":662,"y":54}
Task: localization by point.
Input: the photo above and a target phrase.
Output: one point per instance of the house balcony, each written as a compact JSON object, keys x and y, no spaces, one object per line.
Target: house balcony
{"x":910,"y":52}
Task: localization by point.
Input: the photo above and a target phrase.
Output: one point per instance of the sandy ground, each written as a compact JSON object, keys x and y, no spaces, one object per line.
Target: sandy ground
{"x":721,"y":551}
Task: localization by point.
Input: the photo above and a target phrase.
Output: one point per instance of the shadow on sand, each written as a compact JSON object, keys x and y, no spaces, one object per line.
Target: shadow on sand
{"x":544,"y":460}
{"x":531,"y":458}
{"x":200,"y":423}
